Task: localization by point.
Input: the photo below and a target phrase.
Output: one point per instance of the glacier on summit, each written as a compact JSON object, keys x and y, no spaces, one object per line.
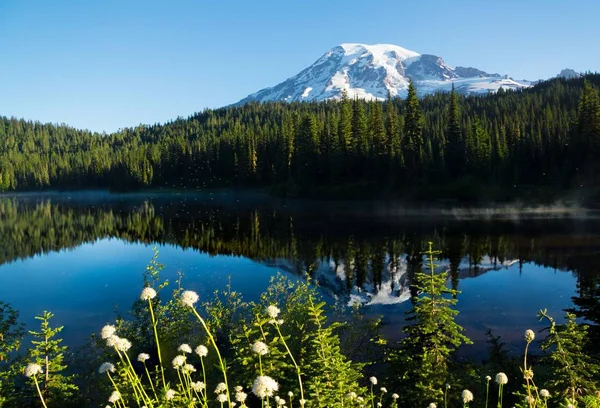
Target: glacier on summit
{"x":372,"y":71}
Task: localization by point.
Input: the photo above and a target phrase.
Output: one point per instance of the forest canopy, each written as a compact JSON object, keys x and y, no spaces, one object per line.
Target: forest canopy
{"x":444,"y":145}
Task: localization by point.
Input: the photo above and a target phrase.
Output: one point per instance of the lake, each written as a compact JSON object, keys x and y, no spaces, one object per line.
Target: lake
{"x":82,"y":255}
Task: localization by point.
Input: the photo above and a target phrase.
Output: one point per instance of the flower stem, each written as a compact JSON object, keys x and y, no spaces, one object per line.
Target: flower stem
{"x":154,"y":324}
{"x":37,"y":386}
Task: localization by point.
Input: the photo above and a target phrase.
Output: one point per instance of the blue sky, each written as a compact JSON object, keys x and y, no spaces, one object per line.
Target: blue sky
{"x":109,"y":64}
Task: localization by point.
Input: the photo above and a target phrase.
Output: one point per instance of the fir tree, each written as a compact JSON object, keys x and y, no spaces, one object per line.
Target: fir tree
{"x":56,"y":387}
{"x":432,"y":335}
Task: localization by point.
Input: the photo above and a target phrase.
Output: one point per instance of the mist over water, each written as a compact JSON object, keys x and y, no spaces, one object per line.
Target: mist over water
{"x":82,"y":254}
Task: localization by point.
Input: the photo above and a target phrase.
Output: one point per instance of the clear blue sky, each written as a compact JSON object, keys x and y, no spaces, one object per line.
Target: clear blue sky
{"x":109,"y":64}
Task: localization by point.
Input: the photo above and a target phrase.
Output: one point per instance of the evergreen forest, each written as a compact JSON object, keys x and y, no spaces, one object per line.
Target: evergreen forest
{"x":539,"y":143}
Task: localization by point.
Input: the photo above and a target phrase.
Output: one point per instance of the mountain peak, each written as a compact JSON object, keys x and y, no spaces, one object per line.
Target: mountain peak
{"x":372,"y":71}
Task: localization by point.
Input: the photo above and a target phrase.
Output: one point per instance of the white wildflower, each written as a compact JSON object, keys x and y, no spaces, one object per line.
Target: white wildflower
{"x":201,"y":350}
{"x":264,"y":386}
{"x":467,"y":396}
{"x":240,"y":396}
{"x":33,"y":369}
{"x":351,"y":395}
{"x":106,"y":367}
{"x":545,"y":393}
{"x":114,"y":397}
{"x":238,"y":388}
{"x":501,"y":379}
{"x":188,"y":369}
{"x":488,"y":378}
{"x":530,"y":400}
{"x":142,"y":357}
{"x":432,"y":405}
{"x":273,"y":311}
{"x":170,"y":394}
{"x":373,"y":380}
{"x":529,"y":335}
{"x":184,"y":348}
{"x":123,"y":345}
{"x":395,"y":396}
{"x":148,"y":293}
{"x":178,"y":361}
{"x":360,"y":399}
{"x":108,"y":331}
{"x":112,"y":341}
{"x":570,"y":406}
{"x":260,"y":348}
{"x":383,"y":390}
{"x":222,"y":398}
{"x":281,"y":402}
{"x":221,"y":387}
{"x":198,"y":386}
{"x":189,"y":298}
{"x":290,"y":394}
{"x":379,"y":405}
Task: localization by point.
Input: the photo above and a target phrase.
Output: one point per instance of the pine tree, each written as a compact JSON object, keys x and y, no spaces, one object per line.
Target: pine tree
{"x":574,"y":371}
{"x":56,"y":387}
{"x":413,"y":132}
{"x":432,"y":335}
{"x":455,"y":154}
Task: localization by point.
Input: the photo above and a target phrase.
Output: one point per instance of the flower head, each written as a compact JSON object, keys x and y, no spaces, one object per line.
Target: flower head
{"x":222,"y":398}
{"x":201,"y":350}
{"x":112,"y":341}
{"x":189,"y":298}
{"x":123,"y":345}
{"x":260,"y":348}
{"x":114,"y":397}
{"x":395,"y":396}
{"x":529,"y":335}
{"x":106,"y":367}
{"x":241,"y":396}
{"x":108,"y":331}
{"x":148,"y":293}
{"x":184,"y":348}
{"x":273,"y":311}
{"x":488,"y":378}
{"x":373,"y":380}
{"x":178,"y":361}
{"x":264,"y":386}
{"x":544,"y":393}
{"x":188,"y":369}
{"x":290,"y":394}
{"x":142,"y":357}
{"x":432,"y":405}
{"x":467,"y":396}
{"x":351,"y":395}
{"x":33,"y":369}
{"x":501,"y":379}
{"x":528,"y":374}
{"x":198,"y":386}
{"x":383,"y":390}
{"x":170,"y":394}
{"x":221,"y":387}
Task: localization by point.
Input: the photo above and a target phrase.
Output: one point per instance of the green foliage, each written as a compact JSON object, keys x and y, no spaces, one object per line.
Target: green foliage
{"x":56,"y":386}
{"x":548,"y":136}
{"x":432,"y":335}
{"x":575,"y":373}
{"x":11,"y":336}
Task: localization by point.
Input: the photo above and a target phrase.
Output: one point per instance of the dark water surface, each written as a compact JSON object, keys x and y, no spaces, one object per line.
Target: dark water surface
{"x":82,"y":256}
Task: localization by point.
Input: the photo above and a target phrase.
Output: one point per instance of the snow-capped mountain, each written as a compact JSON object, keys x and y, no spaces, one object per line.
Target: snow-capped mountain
{"x":371,"y":71}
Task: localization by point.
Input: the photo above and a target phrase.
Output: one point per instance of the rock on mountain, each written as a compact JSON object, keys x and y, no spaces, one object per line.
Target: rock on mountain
{"x":568,"y":73}
{"x":371,"y":71}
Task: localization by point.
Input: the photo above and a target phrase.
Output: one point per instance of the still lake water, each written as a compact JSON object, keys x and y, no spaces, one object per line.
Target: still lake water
{"x":82,"y":256}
